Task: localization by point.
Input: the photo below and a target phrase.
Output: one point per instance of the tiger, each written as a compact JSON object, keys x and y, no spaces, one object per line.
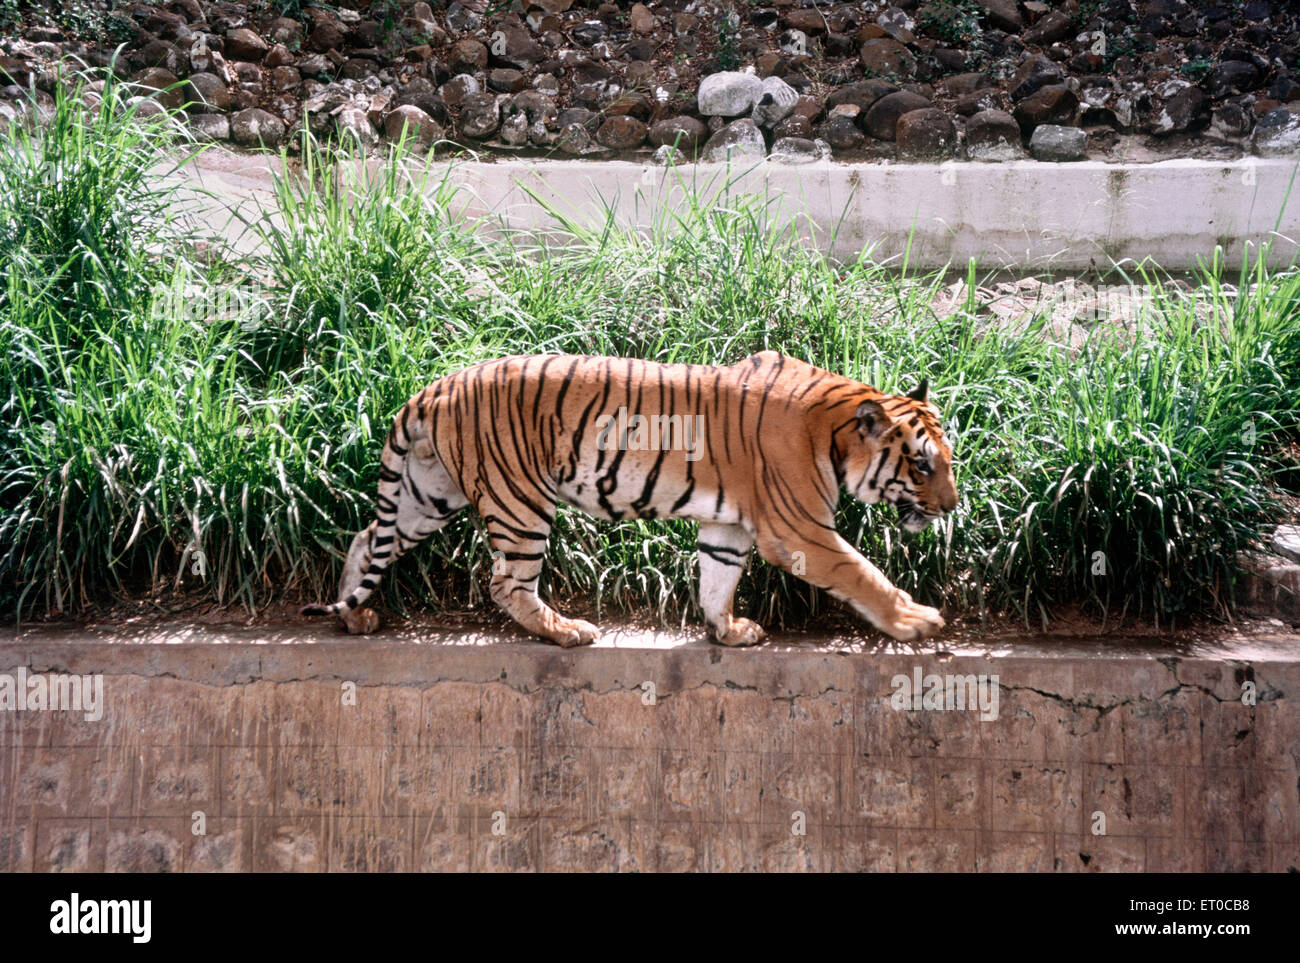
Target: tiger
{"x":756,"y":453}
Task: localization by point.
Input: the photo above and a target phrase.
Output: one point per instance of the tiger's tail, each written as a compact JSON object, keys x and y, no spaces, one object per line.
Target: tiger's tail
{"x":374,"y":548}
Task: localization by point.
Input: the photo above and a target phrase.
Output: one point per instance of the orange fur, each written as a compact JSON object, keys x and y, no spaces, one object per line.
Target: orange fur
{"x":756,"y":453}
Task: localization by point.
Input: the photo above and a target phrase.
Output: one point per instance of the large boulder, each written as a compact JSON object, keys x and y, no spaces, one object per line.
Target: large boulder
{"x":354,"y":123}
{"x":641,"y":19}
{"x":1232,"y":121}
{"x":728,"y":94}
{"x":1277,"y":134}
{"x":479,"y":116}
{"x":161,"y":84}
{"x":1052,"y":142}
{"x":537,"y":107}
{"x":210,"y":127}
{"x":993,"y":135}
{"x":1054,"y":104}
{"x":467,"y":57}
{"x":253,"y":127}
{"x":841,"y":130}
{"x":1188,"y":109}
{"x":884,"y":56}
{"x":243,"y":44}
{"x":421,"y":93}
{"x":621,"y":132}
{"x":1034,"y":74}
{"x":1232,"y":77}
{"x":207,"y":93}
{"x":419,"y":126}
{"x":799,"y":150}
{"x":574,"y":138}
{"x":895,"y":22}
{"x":462,"y":19}
{"x":1055,"y":25}
{"x":686,"y":133}
{"x":882,"y":119}
{"x":506,"y":80}
{"x":775,"y":103}
{"x":514,"y":47}
{"x":864,"y":93}
{"x":925,"y":134}
{"x":738,"y":141}
{"x":1003,"y":14}
{"x":796,"y":126}
{"x":326,"y":35}
{"x":457,"y":90}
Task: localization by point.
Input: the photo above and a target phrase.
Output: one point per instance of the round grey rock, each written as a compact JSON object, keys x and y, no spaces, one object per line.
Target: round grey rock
{"x":882,"y":119}
{"x":666,"y":155}
{"x":353,"y":122}
{"x":207,"y":93}
{"x":684,"y":131}
{"x":1277,"y":134}
{"x":1051,"y":142}
{"x":621,"y":132}
{"x":993,"y":135}
{"x":926,"y":134}
{"x":479,"y":116}
{"x":1286,"y":541}
{"x":419,"y":126}
{"x":254,"y":126}
{"x":799,"y":150}
{"x":728,"y":94}
{"x":739,"y":140}
{"x":210,"y":127}
{"x":775,"y":103}
{"x":576,"y":139}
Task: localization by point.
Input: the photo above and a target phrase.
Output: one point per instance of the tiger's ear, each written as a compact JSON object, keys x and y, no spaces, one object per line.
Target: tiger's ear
{"x":873,"y":422}
{"x":921,"y":392}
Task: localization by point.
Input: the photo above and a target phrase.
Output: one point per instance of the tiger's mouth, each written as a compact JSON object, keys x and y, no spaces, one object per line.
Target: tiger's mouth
{"x":914,"y":518}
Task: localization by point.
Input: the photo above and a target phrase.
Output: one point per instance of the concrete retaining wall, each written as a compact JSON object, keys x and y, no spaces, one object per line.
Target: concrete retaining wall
{"x":576,"y":767}
{"x":1020,"y":215}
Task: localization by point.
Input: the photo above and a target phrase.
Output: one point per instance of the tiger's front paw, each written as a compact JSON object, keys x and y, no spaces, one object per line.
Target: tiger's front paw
{"x":574,"y":632}
{"x":740,"y":632}
{"x":913,"y":622}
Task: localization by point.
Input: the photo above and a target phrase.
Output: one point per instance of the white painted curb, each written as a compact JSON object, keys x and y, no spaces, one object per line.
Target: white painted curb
{"x":1016,"y":215}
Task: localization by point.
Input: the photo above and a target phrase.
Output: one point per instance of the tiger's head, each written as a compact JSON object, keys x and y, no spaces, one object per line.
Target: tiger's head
{"x":903,"y":458}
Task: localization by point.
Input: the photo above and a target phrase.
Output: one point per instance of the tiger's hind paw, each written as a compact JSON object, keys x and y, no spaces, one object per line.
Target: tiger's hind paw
{"x":574,"y":632}
{"x":360,"y":621}
{"x":741,"y":632}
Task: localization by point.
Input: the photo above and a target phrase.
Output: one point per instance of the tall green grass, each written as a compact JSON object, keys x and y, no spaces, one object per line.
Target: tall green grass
{"x":149,"y":452}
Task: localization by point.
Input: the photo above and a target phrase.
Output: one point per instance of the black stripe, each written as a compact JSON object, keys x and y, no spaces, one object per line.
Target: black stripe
{"x":706,"y":547}
{"x":722,"y":560}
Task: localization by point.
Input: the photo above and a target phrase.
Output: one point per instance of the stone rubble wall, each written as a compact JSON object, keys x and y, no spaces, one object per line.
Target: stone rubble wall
{"x":911,"y":80}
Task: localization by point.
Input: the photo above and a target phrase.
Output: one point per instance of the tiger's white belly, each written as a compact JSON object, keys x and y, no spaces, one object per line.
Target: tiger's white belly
{"x":702,"y":505}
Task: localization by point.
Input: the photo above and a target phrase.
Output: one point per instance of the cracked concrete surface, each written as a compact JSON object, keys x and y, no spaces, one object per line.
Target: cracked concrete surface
{"x":580,"y":764}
